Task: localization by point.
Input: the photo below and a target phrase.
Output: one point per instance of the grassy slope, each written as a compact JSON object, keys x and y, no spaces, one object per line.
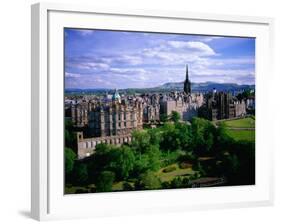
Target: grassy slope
{"x":238,"y":135}
{"x":248,"y":122}
{"x":171,"y":175}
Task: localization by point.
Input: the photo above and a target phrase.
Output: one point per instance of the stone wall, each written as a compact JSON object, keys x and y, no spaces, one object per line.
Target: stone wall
{"x":86,"y":146}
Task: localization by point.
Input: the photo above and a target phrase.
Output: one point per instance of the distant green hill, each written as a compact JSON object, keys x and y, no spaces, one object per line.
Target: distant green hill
{"x":207,"y":86}
{"x":167,"y":87}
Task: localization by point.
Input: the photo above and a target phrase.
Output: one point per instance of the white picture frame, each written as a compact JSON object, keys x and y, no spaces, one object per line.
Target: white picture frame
{"x":47,"y":198}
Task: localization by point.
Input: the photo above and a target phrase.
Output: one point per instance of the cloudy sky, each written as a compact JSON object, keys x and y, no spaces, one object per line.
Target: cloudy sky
{"x":114,"y":59}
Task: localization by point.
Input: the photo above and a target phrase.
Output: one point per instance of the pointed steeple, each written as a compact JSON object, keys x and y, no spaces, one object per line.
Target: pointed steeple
{"x":187,"y":84}
{"x":186,"y":73}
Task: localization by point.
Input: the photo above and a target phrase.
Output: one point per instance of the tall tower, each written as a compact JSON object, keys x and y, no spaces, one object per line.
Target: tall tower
{"x":187,"y":84}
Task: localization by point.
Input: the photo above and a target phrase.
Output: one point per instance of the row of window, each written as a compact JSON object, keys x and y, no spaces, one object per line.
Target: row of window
{"x":108,"y":141}
{"x":97,"y":116}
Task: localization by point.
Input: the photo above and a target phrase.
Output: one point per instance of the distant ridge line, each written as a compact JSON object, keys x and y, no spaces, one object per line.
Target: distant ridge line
{"x":175,"y":85}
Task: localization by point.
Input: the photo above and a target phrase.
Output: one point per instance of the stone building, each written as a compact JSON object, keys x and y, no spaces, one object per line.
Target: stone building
{"x":79,"y":113}
{"x":240,"y":108}
{"x":151,"y":113}
{"x":151,"y":108}
{"x":185,"y":103}
{"x":250,"y":102}
{"x":186,"y":106}
{"x":110,"y":123}
{"x":86,"y":146}
{"x":115,"y":119}
{"x":221,"y":105}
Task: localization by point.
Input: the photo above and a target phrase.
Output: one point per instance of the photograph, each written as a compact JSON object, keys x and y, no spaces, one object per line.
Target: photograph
{"x":157,"y":111}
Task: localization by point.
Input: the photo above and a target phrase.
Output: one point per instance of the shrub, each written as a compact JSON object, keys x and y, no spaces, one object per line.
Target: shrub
{"x":127,"y":186}
{"x":176,"y":182}
{"x":166,"y":185}
{"x":188,"y":158}
{"x":148,"y":181}
{"x":105,"y":181}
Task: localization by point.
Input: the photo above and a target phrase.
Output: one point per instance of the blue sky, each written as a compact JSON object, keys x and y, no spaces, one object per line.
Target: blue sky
{"x":115,"y":59}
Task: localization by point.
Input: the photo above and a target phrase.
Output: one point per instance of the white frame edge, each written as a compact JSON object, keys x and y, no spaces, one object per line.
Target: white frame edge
{"x":39,"y":90}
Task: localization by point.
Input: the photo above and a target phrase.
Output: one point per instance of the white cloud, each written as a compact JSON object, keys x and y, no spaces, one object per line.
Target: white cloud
{"x":72,"y":75}
{"x":197,"y":46}
{"x":88,"y":65}
{"x":236,"y":73}
{"x":209,"y":39}
{"x":128,"y":70}
{"x":159,"y":62}
{"x":85,"y":32}
{"x":129,"y":59}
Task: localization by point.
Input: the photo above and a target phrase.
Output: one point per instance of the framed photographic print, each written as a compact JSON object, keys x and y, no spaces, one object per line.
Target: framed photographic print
{"x":138,"y":111}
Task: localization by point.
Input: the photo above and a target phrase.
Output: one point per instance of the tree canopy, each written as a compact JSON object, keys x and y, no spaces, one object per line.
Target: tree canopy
{"x":70,"y":157}
{"x":175,"y":116}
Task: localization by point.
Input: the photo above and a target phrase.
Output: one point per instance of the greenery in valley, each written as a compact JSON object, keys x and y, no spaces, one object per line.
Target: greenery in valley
{"x":245,"y":94}
{"x":172,"y":155}
{"x":247,"y":122}
{"x":242,"y":135}
{"x":242,"y":129}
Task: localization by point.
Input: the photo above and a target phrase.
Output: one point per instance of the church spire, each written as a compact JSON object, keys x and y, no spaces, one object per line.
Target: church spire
{"x":186,"y":73}
{"x":187,"y":84}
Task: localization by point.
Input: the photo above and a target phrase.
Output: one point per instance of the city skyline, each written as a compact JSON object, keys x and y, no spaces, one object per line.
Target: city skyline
{"x":117,"y":59}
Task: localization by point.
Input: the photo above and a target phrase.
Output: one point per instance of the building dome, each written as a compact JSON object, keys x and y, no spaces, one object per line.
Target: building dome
{"x":116,"y":96}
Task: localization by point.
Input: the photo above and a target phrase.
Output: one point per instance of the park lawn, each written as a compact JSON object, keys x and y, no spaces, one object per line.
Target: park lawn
{"x":171,"y":175}
{"x":248,"y":122}
{"x":118,"y":186}
{"x":238,"y":135}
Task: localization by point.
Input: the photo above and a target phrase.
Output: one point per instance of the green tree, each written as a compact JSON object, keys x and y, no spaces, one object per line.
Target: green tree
{"x":141,"y":164}
{"x":154,"y":158}
{"x":148,"y":181}
{"x":240,"y":163}
{"x":105,"y":181}
{"x":155,"y":136}
{"x":122,"y":162}
{"x":149,"y":161}
{"x":175,"y":116}
{"x":70,"y":157}
{"x":103,"y":156}
{"x":245,"y":94}
{"x":69,"y":134}
{"x":176,"y":182}
{"x":203,"y":134}
{"x":163,"y":118}
{"x":171,"y":139}
{"x":141,"y":141}
{"x":222,"y":140}
{"x":80,"y":173}
{"x":185,"y":136}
